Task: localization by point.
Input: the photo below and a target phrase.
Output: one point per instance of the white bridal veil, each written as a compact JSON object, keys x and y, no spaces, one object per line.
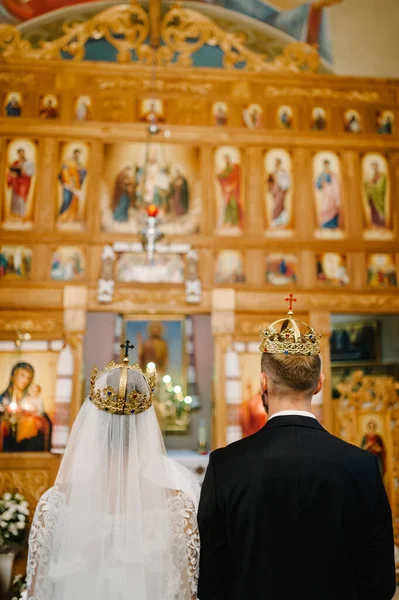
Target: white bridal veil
{"x":120,"y":521}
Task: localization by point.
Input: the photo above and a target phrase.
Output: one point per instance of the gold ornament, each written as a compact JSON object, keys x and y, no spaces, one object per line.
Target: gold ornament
{"x":118,"y":402}
{"x":293,"y":337}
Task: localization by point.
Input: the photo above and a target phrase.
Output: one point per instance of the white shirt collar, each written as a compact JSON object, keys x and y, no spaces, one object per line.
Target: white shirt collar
{"x":297,"y":413}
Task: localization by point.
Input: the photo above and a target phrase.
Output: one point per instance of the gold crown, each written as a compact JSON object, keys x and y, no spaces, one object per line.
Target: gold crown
{"x":118,"y":402}
{"x":293,"y":337}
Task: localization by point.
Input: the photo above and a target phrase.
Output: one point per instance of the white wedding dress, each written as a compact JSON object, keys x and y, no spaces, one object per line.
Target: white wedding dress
{"x":120,"y":522}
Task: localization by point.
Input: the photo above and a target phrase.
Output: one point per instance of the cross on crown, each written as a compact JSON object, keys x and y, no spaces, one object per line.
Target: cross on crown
{"x":291,"y":298}
{"x":126,"y":347}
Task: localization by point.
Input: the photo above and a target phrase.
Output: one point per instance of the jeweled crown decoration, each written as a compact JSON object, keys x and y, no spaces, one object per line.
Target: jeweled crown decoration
{"x":119,"y":402}
{"x":289,"y":336}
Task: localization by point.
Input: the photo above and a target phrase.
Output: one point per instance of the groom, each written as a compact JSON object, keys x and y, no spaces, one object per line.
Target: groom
{"x":292,"y":511}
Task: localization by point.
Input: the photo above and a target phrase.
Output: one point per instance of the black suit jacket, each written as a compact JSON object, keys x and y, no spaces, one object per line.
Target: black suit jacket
{"x":294,"y":512}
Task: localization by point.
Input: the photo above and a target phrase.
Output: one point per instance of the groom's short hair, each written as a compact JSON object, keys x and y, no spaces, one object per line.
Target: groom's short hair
{"x":292,"y":372}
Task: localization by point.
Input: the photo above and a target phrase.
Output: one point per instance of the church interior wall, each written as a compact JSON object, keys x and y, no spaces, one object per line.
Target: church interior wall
{"x":269,"y":179}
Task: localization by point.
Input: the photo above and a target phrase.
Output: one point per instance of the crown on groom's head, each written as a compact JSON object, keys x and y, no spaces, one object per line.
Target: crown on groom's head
{"x":289,"y":336}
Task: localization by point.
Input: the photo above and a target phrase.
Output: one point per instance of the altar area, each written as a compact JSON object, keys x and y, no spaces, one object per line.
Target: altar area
{"x":264,"y":172}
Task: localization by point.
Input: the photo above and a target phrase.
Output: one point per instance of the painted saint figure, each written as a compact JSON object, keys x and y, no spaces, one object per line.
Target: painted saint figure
{"x":154,"y":349}
{"x":13,"y":107}
{"x":252,"y":413}
{"x":24,"y":427}
{"x":49,"y":109}
{"x":279,"y":183}
{"x":220,"y":114}
{"x":83,"y":109}
{"x":230,"y":179}
{"x":72,"y":176}
{"x":286,"y":118}
{"x":329,"y":186}
{"x":124,"y":194}
{"x":385,"y":122}
{"x":352,"y":123}
{"x":19,"y":179}
{"x":373,"y":442}
{"x":376,"y":189}
{"x":318,"y":120}
{"x":180,"y":196}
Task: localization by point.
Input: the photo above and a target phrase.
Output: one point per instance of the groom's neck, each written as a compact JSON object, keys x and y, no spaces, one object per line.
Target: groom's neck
{"x":278,"y":404}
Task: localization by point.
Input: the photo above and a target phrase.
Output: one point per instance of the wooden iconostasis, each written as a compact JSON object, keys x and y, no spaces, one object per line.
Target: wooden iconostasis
{"x":278,"y":183}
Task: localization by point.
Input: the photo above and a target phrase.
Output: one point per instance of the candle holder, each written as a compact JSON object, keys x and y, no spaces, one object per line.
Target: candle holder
{"x":150,"y":235}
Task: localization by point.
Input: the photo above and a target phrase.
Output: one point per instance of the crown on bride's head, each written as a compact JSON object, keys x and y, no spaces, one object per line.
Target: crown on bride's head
{"x":288,"y":336}
{"x":121,"y":402}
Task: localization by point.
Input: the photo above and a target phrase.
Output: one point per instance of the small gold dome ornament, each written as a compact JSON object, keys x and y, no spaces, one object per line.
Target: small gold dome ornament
{"x":119,"y":402}
{"x":289,"y":336}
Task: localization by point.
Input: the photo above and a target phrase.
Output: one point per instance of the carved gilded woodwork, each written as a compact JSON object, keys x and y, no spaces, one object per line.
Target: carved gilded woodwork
{"x":124,"y":27}
{"x":31,"y":483}
{"x":30,"y":325}
{"x":375,"y":398}
{"x":182,"y":31}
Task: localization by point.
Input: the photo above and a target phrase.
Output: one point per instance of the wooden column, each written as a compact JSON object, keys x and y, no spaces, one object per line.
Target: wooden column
{"x":254,"y":201}
{"x":352,"y":208}
{"x":223,"y":326}
{"x":75,"y":311}
{"x":45,"y":211}
{"x":303,"y":196}
{"x":208,"y":212}
{"x":95,"y":169}
{"x":321,"y":321}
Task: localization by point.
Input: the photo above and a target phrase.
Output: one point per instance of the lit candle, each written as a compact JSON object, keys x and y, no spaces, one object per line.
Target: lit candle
{"x":13,"y":405}
{"x":152,"y":210}
{"x":202,"y":436}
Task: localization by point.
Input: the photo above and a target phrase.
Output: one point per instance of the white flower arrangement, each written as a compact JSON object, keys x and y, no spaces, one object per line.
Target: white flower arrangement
{"x":18,"y":588}
{"x":14,"y":513}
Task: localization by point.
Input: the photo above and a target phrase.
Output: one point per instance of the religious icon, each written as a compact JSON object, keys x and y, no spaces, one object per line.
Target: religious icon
{"x":15,"y":262}
{"x":48,"y":107}
{"x":285,"y":117}
{"x":27,"y":392}
{"x":67,"y":264}
{"x":220,"y":113}
{"x":72,"y":186}
{"x":229,"y":267}
{"x":376,"y":196}
{"x":252,"y":416}
{"x":137,"y":176}
{"x":352,"y":122}
{"x":331,"y":268}
{"x":327,"y":186}
{"x":373,"y":442}
{"x":83,"y":108}
{"x":229,"y":190}
{"x":278,"y":168}
{"x":319,"y":119}
{"x":151,"y":110}
{"x":355,"y":340}
{"x":252,"y":116}
{"x":162,"y":343}
{"x":385,"y":122}
{"x":381,"y":271}
{"x":13,"y":104}
{"x":165,"y":268}
{"x":20,"y":184}
{"x":281,"y":269}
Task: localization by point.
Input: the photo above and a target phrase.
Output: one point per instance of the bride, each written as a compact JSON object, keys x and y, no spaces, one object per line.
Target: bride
{"x":120,"y":521}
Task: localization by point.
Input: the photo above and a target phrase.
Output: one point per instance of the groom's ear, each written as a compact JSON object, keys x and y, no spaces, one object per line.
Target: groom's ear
{"x":263,"y":382}
{"x":320,"y":384}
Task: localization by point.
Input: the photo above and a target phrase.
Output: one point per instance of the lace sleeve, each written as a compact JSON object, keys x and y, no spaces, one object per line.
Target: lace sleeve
{"x":186,"y":544}
{"x":41,"y":544}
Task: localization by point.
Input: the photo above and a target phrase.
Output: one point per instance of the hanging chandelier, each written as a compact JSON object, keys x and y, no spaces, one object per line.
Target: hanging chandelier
{"x":150,"y":234}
